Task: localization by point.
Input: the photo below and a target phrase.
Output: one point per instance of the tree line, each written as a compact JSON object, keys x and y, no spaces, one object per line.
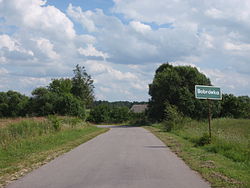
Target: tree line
{"x":172,"y":92}
{"x":64,"y":96}
{"x":118,"y":103}
{"x":113,"y":112}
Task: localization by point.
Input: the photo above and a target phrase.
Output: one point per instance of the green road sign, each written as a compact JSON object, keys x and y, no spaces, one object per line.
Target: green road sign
{"x":208,"y":92}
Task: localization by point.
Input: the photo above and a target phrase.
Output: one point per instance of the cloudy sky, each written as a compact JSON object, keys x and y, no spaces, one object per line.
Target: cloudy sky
{"x":122,"y":42}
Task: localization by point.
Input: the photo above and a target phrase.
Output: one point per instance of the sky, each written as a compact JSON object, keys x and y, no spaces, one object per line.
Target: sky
{"x":122,"y":42}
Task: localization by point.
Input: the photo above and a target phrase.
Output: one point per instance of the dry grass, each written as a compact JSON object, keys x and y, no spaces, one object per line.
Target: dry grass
{"x":7,"y":121}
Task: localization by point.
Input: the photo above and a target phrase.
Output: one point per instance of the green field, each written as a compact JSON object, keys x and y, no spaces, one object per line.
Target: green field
{"x":225,"y":162}
{"x":28,"y":144}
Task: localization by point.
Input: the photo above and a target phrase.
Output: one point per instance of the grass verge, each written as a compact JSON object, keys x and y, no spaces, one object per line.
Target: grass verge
{"x":220,"y":168}
{"x":29,"y":151}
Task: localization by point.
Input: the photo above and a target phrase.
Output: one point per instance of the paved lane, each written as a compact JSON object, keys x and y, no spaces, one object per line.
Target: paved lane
{"x":121,"y":158}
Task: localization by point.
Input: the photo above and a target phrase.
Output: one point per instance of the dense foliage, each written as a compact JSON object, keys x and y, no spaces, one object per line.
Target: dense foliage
{"x":235,"y":107}
{"x":175,"y":86}
{"x":104,"y":113}
{"x":173,"y":89}
{"x":13,"y":104}
{"x":82,"y":86}
{"x":62,"y":96}
{"x":118,"y":103}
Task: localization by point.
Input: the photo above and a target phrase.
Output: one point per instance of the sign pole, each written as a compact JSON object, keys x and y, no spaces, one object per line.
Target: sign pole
{"x":209,"y":93}
{"x":209,"y":119}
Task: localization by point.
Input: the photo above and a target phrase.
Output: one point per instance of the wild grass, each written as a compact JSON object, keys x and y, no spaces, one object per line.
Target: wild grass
{"x":4,"y":122}
{"x":225,"y":162}
{"x":230,"y":137}
{"x":25,"y":144}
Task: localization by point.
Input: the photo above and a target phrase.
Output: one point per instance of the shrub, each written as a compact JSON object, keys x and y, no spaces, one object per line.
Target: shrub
{"x":119,"y":114}
{"x":100,"y":114}
{"x":72,"y":121}
{"x":204,"y":140}
{"x":139,"y":118}
{"x":107,"y":114}
{"x":55,"y":122}
{"x":173,"y":118}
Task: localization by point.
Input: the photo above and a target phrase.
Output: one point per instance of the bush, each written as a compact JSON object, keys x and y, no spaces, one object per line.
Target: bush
{"x":119,"y":114}
{"x":99,"y":114}
{"x":173,"y":118}
{"x":72,"y":121}
{"x":13,"y":104}
{"x":55,"y":122}
{"x":107,"y":114}
{"x":139,"y":119}
{"x":204,"y":140}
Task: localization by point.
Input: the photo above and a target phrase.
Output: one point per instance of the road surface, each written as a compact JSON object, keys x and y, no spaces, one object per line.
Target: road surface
{"x":124,"y":157}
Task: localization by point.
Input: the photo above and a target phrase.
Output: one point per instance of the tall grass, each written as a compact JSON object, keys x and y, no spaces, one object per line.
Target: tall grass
{"x":24,"y":129}
{"x":224,"y":162}
{"x":31,"y":128}
{"x":230,"y":137}
{"x":25,"y":144}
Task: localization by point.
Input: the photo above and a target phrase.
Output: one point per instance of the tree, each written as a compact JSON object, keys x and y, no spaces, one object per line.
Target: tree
{"x":82,"y":86}
{"x":119,"y":114}
{"x":236,"y":107}
{"x":105,"y":113}
{"x":175,"y":85}
{"x":13,"y":104}
{"x":50,"y":101}
{"x":43,"y":102}
{"x":67,"y":104}
{"x":100,"y":114}
{"x":60,"y":86}
{"x":62,"y":96}
{"x":3,"y":104}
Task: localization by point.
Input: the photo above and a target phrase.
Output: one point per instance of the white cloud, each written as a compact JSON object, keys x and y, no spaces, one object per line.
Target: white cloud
{"x":35,"y":16}
{"x":102,"y":68}
{"x":120,"y":81}
{"x":207,"y":40}
{"x":121,"y":48}
{"x":237,"y":47}
{"x":105,"y":89}
{"x":91,"y":51}
{"x":23,"y":84}
{"x":46,"y":47}
{"x":140,"y":86}
{"x":12,"y":45}
{"x":140,"y":27}
{"x":3,"y":71}
{"x":2,"y":60}
{"x":83,"y":17}
{"x":12,"y":49}
{"x":214,"y":13}
{"x":148,"y":10}
{"x":230,"y":81}
{"x":7,"y":42}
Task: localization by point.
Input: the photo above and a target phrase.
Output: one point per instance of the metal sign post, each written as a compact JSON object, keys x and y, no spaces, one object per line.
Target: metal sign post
{"x":209,"y":93}
{"x":209,"y":119}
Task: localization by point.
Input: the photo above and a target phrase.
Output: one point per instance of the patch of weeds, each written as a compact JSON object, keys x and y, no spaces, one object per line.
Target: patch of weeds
{"x":204,"y":140}
{"x":55,"y":122}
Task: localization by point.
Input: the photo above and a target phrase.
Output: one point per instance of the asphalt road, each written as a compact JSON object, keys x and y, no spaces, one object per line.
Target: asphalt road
{"x":121,"y":158}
